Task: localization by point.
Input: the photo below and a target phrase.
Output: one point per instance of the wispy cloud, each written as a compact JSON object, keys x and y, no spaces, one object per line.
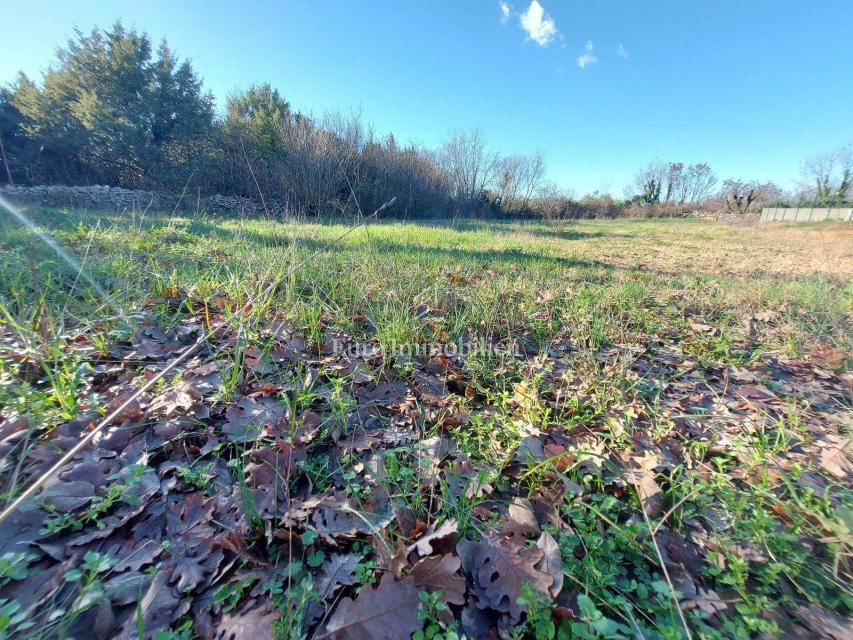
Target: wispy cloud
{"x":504,"y":11}
{"x":540,"y":27}
{"x":588,"y":56}
{"x":621,"y":51}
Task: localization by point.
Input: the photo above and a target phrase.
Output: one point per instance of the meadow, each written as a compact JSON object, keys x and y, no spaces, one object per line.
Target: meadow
{"x":621,"y":428}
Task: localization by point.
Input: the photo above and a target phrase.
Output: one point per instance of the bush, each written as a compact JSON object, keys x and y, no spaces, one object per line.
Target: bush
{"x":660,"y":210}
{"x":562,"y":207}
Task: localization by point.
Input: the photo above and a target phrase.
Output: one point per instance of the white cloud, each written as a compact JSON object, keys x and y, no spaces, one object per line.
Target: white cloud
{"x":621,"y":51}
{"x":588,"y":56}
{"x":504,"y":11}
{"x":540,"y":27}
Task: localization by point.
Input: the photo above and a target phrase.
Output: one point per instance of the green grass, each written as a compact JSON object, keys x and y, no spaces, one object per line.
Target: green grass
{"x":603,"y":279}
{"x":573,"y":292}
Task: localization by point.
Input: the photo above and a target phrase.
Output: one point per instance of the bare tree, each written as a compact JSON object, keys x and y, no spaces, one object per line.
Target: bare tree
{"x":311,"y":171}
{"x":534,"y":173}
{"x":509,"y":171}
{"x":649,"y":180}
{"x":845,"y":163}
{"x":470,"y":163}
{"x":817,"y":172}
{"x":518,"y":178}
{"x":672,"y":183}
{"x":828,"y":176}
{"x":742,"y":196}
{"x":699,"y":181}
{"x":689,"y":183}
{"x":409,"y":174}
{"x":349,"y":135}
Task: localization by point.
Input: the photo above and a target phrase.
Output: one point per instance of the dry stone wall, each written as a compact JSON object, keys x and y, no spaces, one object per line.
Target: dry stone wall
{"x":118,"y":199}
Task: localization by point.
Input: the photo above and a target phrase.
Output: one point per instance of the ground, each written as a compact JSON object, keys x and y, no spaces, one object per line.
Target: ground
{"x":489,"y":429}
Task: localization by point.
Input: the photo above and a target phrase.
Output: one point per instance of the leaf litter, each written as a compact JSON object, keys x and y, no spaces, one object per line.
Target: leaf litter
{"x":198,"y":508}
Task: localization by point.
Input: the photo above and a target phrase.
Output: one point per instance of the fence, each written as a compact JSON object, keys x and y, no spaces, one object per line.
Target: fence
{"x":806,"y":214}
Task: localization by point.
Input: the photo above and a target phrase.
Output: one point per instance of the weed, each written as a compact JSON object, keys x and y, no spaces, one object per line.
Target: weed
{"x":184,"y":631}
{"x":14,"y":565}
{"x":89,"y":588}
{"x":538,"y":623}
{"x":199,"y":477}
{"x":429,"y":610}
{"x":229,"y":594}
{"x":250,"y":507}
{"x":13,"y":619}
{"x":291,"y":599}
{"x":115,"y":492}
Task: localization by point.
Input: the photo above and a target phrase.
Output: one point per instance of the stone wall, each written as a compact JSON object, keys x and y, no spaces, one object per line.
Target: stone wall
{"x":118,"y":199}
{"x":727,"y":217}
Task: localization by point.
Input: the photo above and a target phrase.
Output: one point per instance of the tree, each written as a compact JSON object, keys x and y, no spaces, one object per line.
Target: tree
{"x":259,"y":114}
{"x":829,"y":176}
{"x":699,"y":182}
{"x":181,"y":117}
{"x":102,"y":84}
{"x":253,"y":138}
{"x":674,"y":179}
{"x":471,"y":165}
{"x":52,"y":139}
{"x":410,"y":174}
{"x":743,"y":196}
{"x":648,"y":182}
{"x":673,"y":183}
{"x":518,"y":178}
{"x":108,"y":113}
{"x":12,"y":141}
{"x":318,"y":163}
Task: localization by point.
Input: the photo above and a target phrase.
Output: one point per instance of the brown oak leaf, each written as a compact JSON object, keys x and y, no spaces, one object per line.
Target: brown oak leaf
{"x":386,"y":612}
{"x":337,"y":570}
{"x":253,"y":622}
{"x":650,"y":493}
{"x":498,"y":572}
{"x":246,"y":419}
{"x":441,"y":573}
{"x":835,"y":457}
{"x":434,"y":535}
{"x":825,"y":623}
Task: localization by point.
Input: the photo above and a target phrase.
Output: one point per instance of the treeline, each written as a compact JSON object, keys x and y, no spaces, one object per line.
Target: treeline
{"x":114,"y":110}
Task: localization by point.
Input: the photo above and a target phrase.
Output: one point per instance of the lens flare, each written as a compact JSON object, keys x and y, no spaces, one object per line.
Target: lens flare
{"x":62,"y":253}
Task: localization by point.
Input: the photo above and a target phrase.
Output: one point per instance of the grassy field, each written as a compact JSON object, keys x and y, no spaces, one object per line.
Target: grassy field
{"x":654,"y":429}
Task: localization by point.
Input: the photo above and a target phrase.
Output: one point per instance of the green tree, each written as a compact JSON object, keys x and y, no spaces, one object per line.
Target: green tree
{"x":252,"y":142}
{"x":257,"y":116}
{"x":12,"y":141}
{"x":52,"y":138}
{"x":107,"y":112}
{"x":181,"y":117}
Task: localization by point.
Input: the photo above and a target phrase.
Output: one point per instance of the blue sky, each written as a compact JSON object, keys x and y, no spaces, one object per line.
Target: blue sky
{"x":604,"y":86}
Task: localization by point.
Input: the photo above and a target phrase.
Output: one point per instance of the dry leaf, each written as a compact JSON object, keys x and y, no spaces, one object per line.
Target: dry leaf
{"x":829,"y":357}
{"x":499,"y":572}
{"x":521,"y":512}
{"x":647,"y":488}
{"x":386,"y":612}
{"x":424,"y":545}
{"x":835,"y":458}
{"x":338,"y":570}
{"x":440,"y":573}
{"x":825,"y":623}
{"x":551,"y":563}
